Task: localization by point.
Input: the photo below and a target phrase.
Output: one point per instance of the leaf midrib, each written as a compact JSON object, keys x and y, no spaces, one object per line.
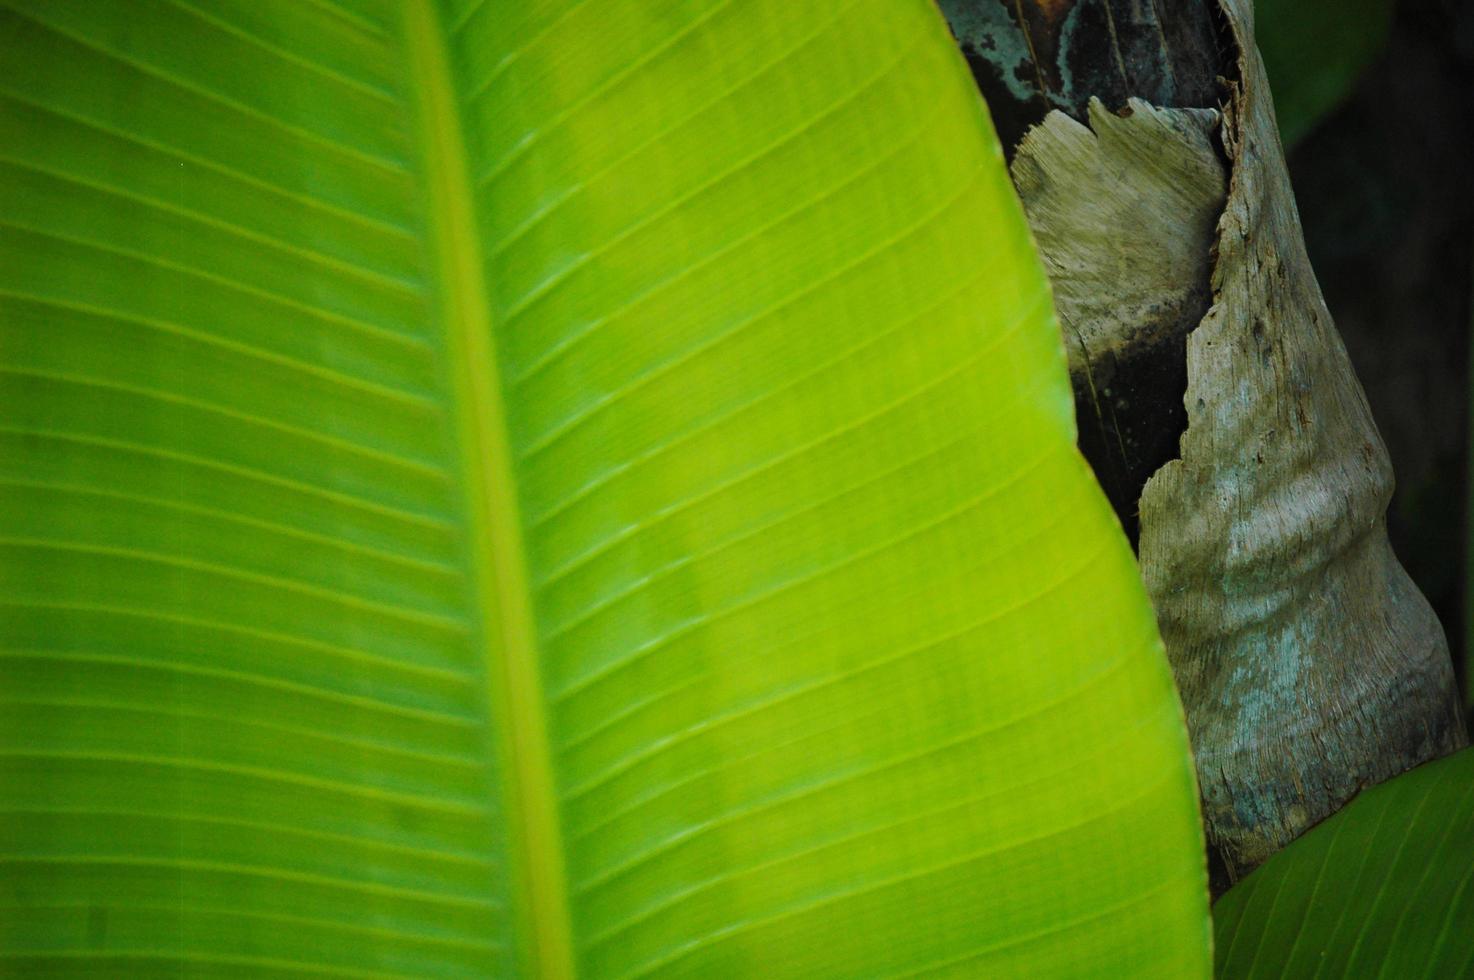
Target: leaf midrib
{"x":501,"y":581}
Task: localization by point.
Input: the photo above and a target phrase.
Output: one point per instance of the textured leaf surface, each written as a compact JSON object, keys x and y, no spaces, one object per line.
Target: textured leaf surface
{"x":1384,"y":888}
{"x":552,"y":487}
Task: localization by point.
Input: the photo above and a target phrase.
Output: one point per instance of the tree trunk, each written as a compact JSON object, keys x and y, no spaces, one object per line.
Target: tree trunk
{"x":1031,"y":57}
{"x":1216,"y":400}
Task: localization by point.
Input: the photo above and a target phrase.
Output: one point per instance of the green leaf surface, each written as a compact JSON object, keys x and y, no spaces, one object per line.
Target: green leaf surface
{"x":1384,"y":888}
{"x":548,"y":488}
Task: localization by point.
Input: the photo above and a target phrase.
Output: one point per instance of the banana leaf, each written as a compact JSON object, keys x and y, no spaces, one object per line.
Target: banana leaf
{"x":1384,"y":888}
{"x":568,"y":488}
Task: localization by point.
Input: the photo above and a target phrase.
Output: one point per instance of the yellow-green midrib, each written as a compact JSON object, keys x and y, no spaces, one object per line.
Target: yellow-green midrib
{"x":513,"y":673}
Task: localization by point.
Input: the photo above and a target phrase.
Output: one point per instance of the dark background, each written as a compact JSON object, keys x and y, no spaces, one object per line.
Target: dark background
{"x":1385,"y":184}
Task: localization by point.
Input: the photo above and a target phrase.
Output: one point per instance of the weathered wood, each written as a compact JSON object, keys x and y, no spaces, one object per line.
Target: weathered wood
{"x":1030,"y":57}
{"x":1308,"y":663}
{"x":1124,"y":218}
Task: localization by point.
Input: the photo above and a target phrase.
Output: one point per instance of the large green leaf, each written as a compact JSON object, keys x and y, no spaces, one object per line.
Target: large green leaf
{"x":1384,"y":888}
{"x":552,"y":487}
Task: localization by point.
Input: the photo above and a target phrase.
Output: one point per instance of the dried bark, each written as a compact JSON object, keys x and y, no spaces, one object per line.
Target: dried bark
{"x":1309,"y":664}
{"x":1124,"y":218}
{"x":1033,"y":56}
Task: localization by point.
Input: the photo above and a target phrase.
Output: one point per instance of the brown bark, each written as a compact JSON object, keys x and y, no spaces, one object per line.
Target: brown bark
{"x":1309,"y":664}
{"x":1124,"y":219}
{"x":1030,"y":57}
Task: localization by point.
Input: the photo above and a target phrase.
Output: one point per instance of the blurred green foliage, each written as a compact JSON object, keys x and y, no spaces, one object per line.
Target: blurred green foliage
{"x":1313,"y":51}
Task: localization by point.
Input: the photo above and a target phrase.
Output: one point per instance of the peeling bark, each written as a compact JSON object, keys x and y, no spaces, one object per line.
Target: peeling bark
{"x":1309,"y":664}
{"x":1124,"y":218}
